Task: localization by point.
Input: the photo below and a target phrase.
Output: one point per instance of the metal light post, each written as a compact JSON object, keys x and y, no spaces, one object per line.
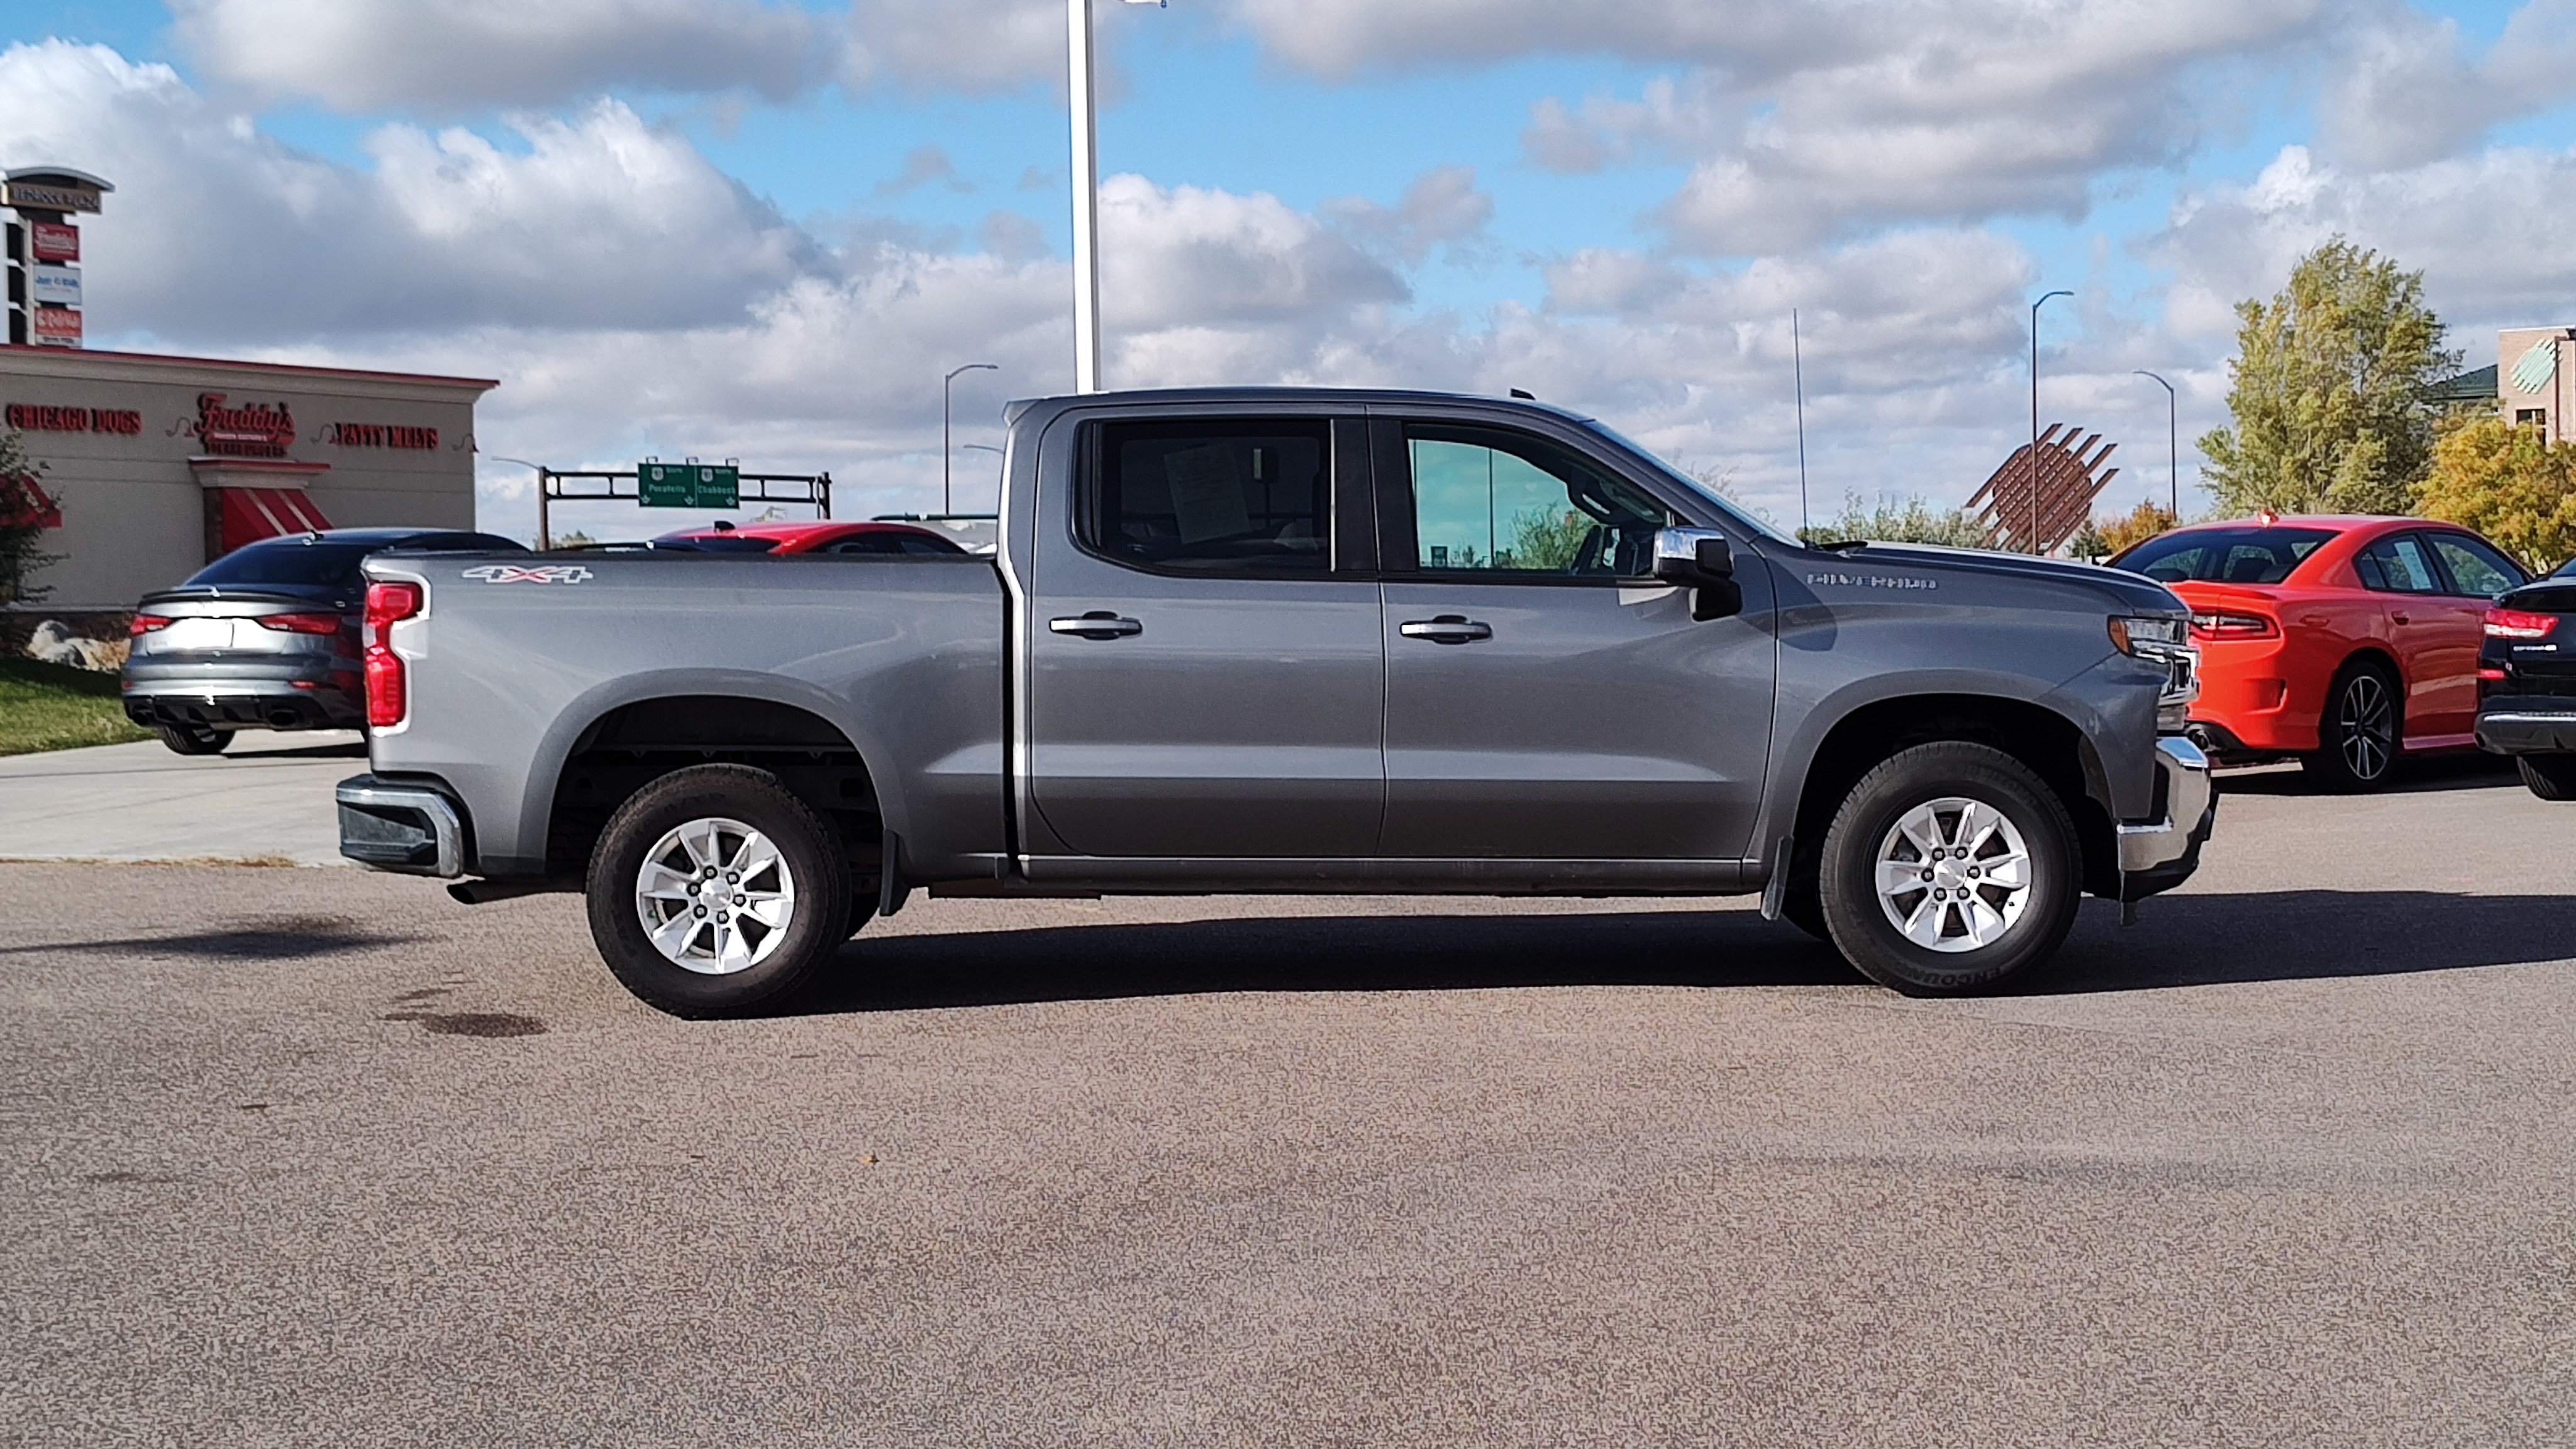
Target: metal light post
{"x":1086,"y":194}
{"x":2034,"y":415}
{"x":944,"y":449}
{"x":541,"y":494}
{"x":2173,"y":446}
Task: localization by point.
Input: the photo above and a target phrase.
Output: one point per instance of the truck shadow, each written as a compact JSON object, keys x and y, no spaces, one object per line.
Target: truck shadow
{"x":2191,"y":940}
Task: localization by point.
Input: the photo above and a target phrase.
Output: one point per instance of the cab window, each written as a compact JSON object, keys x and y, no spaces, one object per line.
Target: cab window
{"x":1209,"y":496}
{"x":1506,"y":504}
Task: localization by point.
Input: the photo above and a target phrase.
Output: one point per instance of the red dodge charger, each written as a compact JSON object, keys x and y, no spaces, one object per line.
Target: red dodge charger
{"x":2345,"y":642}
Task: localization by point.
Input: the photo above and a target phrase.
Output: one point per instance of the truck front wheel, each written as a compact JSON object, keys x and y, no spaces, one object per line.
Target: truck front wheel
{"x":714,"y":889}
{"x":1948,"y":868}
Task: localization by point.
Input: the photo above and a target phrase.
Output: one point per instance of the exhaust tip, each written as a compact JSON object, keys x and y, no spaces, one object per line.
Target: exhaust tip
{"x":284,"y":719}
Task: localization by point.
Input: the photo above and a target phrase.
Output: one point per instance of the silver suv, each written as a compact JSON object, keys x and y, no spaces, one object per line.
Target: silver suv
{"x":265,"y":637}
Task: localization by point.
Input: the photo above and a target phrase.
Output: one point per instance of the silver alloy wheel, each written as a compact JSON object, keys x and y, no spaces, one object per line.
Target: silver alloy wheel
{"x":2363,"y":716}
{"x":1954,"y":874}
{"x":715,"y":896}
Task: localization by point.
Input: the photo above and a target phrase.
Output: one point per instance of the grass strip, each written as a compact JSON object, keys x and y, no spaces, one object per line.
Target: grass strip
{"x":57,"y":707}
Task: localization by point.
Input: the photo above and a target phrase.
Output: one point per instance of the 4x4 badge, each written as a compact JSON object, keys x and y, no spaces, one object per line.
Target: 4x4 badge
{"x":515,"y":574}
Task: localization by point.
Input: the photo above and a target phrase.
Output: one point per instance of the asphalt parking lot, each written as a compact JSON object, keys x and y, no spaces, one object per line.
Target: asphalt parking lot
{"x":297,"y":1156}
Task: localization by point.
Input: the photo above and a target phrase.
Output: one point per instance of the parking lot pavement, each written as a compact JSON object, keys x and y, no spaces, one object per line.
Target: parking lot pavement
{"x":268,"y":798}
{"x":305,"y":1157}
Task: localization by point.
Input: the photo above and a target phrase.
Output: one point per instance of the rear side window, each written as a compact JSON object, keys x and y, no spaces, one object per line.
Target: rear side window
{"x":2397,"y":566}
{"x":2224,"y":555}
{"x":2476,"y":570}
{"x":1209,"y":496}
{"x":286,"y":561}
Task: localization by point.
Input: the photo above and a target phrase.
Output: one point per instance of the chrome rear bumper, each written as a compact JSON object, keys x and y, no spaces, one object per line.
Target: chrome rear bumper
{"x":401,"y":826}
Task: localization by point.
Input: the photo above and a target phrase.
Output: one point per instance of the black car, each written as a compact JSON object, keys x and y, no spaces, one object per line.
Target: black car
{"x":265,"y":637}
{"x":2527,"y":682}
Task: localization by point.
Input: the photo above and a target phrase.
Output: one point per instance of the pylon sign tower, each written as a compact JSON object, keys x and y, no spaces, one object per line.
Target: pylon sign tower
{"x":44,"y":251}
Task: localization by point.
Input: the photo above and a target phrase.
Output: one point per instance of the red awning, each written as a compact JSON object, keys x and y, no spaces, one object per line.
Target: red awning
{"x":251,"y":514}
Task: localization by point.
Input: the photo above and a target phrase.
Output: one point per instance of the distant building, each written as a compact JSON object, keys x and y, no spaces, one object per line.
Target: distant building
{"x":2528,"y":384}
{"x":159,"y":464}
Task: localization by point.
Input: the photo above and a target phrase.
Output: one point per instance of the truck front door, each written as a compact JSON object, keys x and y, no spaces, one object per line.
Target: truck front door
{"x":1207,"y":679}
{"x":1546,"y":696}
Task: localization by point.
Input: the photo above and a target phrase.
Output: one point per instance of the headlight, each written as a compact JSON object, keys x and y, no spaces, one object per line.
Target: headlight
{"x":2165,"y":641}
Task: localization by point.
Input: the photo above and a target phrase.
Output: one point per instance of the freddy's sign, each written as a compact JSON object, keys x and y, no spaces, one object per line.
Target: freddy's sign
{"x":246,"y":430}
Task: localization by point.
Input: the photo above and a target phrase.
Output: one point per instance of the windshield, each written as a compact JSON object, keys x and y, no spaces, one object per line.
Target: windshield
{"x":2223,"y":555}
{"x":1733,"y":509}
{"x":2566,"y":570}
{"x":285,"y":561}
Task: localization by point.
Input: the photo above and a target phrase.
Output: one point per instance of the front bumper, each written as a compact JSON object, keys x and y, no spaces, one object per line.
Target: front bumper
{"x":402,"y":825}
{"x":2527,"y":724}
{"x":2158,"y":856}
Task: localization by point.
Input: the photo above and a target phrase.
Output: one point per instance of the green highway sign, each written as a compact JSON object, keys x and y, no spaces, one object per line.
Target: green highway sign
{"x":688,"y":485}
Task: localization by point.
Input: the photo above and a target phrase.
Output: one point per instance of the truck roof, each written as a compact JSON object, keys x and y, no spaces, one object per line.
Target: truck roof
{"x":1322,"y":396}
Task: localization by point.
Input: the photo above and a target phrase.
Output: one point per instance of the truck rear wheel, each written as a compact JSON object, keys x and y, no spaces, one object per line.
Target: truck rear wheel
{"x":715,"y":889}
{"x":2551,"y":777}
{"x":1948,"y":868}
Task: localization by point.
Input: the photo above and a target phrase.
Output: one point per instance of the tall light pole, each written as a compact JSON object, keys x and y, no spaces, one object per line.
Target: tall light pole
{"x":541,"y":494}
{"x":1798,"y":380}
{"x":2173,"y":446}
{"x":1086,"y":194}
{"x":2034,"y":415}
{"x":944,"y":450}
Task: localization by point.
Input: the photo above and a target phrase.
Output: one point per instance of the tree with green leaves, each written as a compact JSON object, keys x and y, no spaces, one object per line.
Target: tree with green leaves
{"x":2328,"y":402}
{"x":25,"y":513}
{"x":2509,"y":483}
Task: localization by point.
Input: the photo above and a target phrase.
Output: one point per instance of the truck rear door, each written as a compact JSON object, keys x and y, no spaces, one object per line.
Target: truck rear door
{"x":1206,"y":672}
{"x":1546,"y":696}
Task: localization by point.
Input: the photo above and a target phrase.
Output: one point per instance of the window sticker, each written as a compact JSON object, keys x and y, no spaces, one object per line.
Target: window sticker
{"x":1206,"y":495}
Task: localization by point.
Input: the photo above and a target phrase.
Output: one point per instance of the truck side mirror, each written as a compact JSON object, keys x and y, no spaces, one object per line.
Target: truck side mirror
{"x":1700,"y":559}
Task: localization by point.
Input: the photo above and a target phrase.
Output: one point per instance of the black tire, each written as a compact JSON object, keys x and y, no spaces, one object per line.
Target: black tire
{"x":193,"y":739}
{"x":2028,"y":924}
{"x":2551,"y":777}
{"x":2357,"y":736}
{"x":816,"y":874}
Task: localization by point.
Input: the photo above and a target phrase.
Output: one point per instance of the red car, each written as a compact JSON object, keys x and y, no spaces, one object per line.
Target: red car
{"x":2343,"y":642}
{"x":823,"y":537}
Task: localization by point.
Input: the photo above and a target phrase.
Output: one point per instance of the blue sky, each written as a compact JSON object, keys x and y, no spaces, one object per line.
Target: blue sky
{"x":1614,"y":205}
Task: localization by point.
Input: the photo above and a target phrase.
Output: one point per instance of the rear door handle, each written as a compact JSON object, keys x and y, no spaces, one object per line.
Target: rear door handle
{"x":1098,"y":624}
{"x":1446,"y":629}
{"x":2401,"y":618}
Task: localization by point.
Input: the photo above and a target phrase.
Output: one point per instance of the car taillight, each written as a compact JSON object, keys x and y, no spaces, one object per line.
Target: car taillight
{"x":146,"y":624}
{"x":2222,"y":625}
{"x":300,"y":623}
{"x":388,"y":692}
{"x":2519,"y":624}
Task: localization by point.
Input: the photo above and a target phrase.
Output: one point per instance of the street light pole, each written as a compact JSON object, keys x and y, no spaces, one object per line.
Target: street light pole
{"x":1086,"y":193}
{"x":2173,"y":447}
{"x":541,"y":494}
{"x":2034,"y":414}
{"x":944,"y":450}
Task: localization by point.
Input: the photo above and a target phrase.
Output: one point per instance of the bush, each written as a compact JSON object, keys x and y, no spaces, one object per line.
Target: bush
{"x":1910,"y":521}
{"x":25,"y":513}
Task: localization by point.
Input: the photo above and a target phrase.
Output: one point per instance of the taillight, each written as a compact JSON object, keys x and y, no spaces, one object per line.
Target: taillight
{"x":388,"y":692}
{"x":2519,"y":624}
{"x":146,"y":624}
{"x":2222,"y":625}
{"x":300,"y":623}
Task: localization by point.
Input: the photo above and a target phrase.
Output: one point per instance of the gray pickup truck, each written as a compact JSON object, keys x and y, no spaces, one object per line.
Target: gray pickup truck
{"x":1287,"y":640}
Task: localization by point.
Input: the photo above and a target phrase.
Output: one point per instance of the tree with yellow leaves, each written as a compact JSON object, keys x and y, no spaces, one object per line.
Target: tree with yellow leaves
{"x":2509,"y":483}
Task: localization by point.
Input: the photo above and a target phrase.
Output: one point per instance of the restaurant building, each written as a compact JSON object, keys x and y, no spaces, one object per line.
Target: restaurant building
{"x":158,"y":464}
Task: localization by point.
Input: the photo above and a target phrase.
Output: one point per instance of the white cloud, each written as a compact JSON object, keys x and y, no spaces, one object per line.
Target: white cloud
{"x":218,"y":232}
{"x":450,"y":55}
{"x":1441,"y":207}
{"x":980,"y":48}
{"x":2402,"y":92}
{"x":2489,"y":231}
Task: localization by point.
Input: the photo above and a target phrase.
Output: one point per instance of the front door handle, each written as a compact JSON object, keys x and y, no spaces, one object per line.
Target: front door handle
{"x":1098,"y":624}
{"x":1446,"y":629}
{"x":2401,"y":618}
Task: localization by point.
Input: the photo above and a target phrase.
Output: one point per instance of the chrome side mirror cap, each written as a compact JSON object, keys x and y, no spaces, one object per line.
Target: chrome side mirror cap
{"x":1700,"y":559}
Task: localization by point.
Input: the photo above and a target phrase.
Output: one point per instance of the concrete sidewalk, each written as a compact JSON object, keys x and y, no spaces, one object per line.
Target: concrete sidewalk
{"x":268,"y":798}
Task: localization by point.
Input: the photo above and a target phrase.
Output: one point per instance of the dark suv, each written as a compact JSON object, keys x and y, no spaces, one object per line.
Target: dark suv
{"x":265,"y":637}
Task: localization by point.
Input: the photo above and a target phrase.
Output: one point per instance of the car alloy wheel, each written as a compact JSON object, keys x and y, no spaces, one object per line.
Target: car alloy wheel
{"x":715,"y":896}
{"x":2366,"y":722}
{"x":1954,"y":874}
